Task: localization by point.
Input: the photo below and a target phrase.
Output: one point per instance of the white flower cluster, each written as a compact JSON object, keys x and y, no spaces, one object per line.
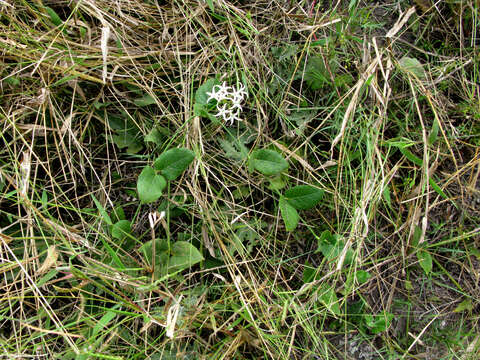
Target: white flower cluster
{"x":228,"y":101}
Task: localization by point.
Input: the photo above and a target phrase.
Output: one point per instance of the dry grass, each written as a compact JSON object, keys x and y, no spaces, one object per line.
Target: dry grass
{"x":377,"y":105}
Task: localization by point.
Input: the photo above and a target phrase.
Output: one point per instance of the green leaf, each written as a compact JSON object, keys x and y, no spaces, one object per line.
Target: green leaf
{"x":12,"y":80}
{"x":474,"y":251}
{"x":50,"y":275}
{"x":316,"y":74}
{"x":378,"y":323}
{"x":434,"y":132}
{"x":104,"y":321}
{"x":200,"y":110}
{"x":417,"y":234}
{"x":102,"y":211}
{"x":413,"y":66}
{"x":355,"y":311}
{"x":465,"y":305}
{"x":184,"y":255}
{"x":43,"y":200}
{"x":150,"y":185}
{"x":408,"y":285}
{"x":201,"y":107}
{"x":303,"y":197}
{"x":56,"y":20}
{"x":437,"y":188}
{"x":210,"y":5}
{"x":173,"y":162}
{"x":154,"y":136}
{"x":284,"y":53}
{"x":310,"y":273}
{"x":289,"y":214}
{"x":410,"y":156}
{"x":201,"y":96}
{"x":161,"y":256}
{"x":331,"y":246}
{"x":118,"y":214}
{"x":125,"y":134}
{"x":362,"y":276}
{"x":277,"y":183}
{"x":328,"y":298}
{"x":299,"y":119}
{"x":268,"y":162}
{"x":387,"y":197}
{"x":343,"y":80}
{"x":425,"y":260}
{"x":134,"y":147}
{"x":127,"y":139}
{"x":352,"y":5}
{"x":121,"y":229}
{"x":234,"y":149}
{"x":416,"y":160}
{"x":145,"y":100}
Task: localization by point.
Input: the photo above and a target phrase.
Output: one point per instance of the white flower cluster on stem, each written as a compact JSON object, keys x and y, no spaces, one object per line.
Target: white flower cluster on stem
{"x":229,"y":101}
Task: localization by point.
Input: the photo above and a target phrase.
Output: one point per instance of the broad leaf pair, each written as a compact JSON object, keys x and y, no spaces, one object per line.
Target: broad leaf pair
{"x":301,"y":197}
{"x":168,"y":166}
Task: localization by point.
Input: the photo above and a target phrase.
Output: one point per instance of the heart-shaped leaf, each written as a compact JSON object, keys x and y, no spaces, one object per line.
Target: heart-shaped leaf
{"x":289,"y":214}
{"x":268,"y":162}
{"x":150,"y":185}
{"x":303,"y":197}
{"x":173,"y":162}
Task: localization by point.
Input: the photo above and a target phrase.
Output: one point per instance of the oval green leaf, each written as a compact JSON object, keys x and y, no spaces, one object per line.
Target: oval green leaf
{"x":150,"y":185}
{"x":173,"y":162}
{"x":268,"y":162}
{"x":303,"y":197}
{"x":289,"y":214}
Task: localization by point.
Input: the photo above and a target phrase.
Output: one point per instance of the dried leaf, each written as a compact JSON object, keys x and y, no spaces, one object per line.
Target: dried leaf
{"x":50,"y":260}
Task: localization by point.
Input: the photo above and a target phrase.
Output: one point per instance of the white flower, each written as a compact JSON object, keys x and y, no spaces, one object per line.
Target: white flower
{"x":229,"y":101}
{"x":154,"y":217}
{"x":239,"y":94}
{"x":222,"y":93}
